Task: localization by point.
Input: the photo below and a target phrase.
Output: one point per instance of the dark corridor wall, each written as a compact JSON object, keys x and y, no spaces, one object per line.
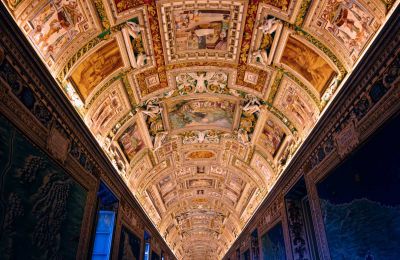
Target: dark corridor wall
{"x":360,"y":200}
{"x":41,"y":207}
{"x":339,"y":198}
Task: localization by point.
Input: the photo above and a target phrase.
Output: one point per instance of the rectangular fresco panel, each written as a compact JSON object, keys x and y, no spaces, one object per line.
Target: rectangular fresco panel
{"x":210,"y":113}
{"x":273,"y":244}
{"x":297,"y":105}
{"x":129,"y":246}
{"x":131,"y":141}
{"x":272,"y":137}
{"x":96,"y":67}
{"x":201,"y":29}
{"x":347,"y":22}
{"x":55,"y":25}
{"x":309,"y":64}
{"x":42,"y":207}
{"x":360,"y":201}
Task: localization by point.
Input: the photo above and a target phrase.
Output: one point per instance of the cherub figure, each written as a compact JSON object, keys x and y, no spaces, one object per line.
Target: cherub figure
{"x":152,"y":108}
{"x":159,"y":139}
{"x":261,"y":56}
{"x":134,"y":29}
{"x":253,"y":105}
{"x":269,"y":25}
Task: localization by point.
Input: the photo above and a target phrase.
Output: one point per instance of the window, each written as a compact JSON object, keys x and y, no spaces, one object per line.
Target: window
{"x":103,"y":238}
{"x":147,"y":239}
{"x":107,"y":210}
{"x":147,"y":251}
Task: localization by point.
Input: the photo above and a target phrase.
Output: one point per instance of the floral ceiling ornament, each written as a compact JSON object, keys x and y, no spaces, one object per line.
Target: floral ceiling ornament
{"x":202,"y":82}
{"x":199,"y":137}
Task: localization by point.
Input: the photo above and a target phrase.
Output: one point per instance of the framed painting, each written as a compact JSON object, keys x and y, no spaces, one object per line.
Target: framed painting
{"x":201,"y":112}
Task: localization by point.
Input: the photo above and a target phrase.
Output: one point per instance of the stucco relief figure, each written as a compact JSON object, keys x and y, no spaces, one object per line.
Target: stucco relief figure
{"x":159,"y":139}
{"x":269,"y":25}
{"x":135,"y":32}
{"x":289,"y":151}
{"x":331,"y":89}
{"x":253,"y":105}
{"x":349,"y":22}
{"x":243,"y":136}
{"x":153,"y":109}
{"x":261,"y":56}
{"x":116,"y":159}
{"x":96,"y":68}
{"x":135,"y":29}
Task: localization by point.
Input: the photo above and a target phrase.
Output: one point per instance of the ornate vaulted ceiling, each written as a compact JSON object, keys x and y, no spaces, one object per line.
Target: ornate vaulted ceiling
{"x":200,"y":104}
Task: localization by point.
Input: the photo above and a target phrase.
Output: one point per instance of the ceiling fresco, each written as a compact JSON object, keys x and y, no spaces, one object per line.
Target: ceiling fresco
{"x":200,"y":104}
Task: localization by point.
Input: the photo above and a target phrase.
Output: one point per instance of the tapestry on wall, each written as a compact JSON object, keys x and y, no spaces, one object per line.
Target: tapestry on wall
{"x":41,"y":206}
{"x":360,"y":201}
{"x":129,"y":245}
{"x":273,"y":244}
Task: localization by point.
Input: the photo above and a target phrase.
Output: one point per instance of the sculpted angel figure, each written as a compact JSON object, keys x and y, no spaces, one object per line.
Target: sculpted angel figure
{"x":269,"y":25}
{"x":140,"y":60}
{"x":152,"y":108}
{"x":159,"y":139}
{"x":253,"y":105}
{"x":243,"y":137}
{"x":261,"y":56}
{"x":201,"y":80}
{"x":135,"y":29}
